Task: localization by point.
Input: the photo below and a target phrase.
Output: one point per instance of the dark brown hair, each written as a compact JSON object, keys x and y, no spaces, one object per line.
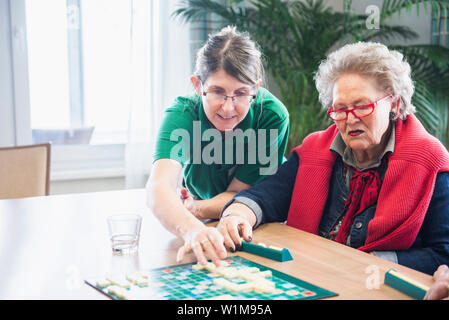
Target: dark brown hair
{"x":233,"y":52}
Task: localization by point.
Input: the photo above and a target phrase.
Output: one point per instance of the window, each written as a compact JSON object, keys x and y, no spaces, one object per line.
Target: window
{"x":79,"y":70}
{"x":70,"y":68}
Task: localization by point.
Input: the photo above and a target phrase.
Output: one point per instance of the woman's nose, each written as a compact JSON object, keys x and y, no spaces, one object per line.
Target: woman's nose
{"x":351,"y":118}
{"x":228,"y":105}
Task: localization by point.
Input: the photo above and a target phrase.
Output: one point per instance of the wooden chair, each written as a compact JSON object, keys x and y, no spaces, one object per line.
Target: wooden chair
{"x":25,"y":171}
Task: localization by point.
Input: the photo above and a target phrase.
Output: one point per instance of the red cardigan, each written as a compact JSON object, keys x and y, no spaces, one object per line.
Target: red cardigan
{"x":405,"y":192}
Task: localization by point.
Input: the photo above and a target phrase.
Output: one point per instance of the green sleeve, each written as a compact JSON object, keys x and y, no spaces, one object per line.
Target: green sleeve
{"x":174,"y":136}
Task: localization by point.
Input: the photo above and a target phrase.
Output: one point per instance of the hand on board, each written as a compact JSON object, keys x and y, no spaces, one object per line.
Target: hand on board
{"x":206,"y":243}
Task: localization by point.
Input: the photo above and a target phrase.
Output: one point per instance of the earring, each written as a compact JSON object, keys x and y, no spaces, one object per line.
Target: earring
{"x":392,"y":116}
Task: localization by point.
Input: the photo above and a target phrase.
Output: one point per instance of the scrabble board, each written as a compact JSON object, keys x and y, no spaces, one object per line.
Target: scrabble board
{"x":185,"y":282}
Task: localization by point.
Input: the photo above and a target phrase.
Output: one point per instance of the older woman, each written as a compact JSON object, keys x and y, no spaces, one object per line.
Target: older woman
{"x":375,"y":180}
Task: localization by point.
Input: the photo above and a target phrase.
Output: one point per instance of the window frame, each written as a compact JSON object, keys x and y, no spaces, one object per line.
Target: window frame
{"x":75,"y":63}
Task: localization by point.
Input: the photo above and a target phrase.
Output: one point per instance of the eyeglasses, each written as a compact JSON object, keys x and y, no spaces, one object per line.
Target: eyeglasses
{"x":216,"y":96}
{"x":358,"y":112}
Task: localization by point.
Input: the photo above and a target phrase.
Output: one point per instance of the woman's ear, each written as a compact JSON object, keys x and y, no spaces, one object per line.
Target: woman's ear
{"x":395,"y":104}
{"x":258,"y":84}
{"x":196,"y":84}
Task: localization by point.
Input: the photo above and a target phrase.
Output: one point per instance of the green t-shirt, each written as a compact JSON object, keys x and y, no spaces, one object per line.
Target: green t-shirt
{"x":211,"y":159}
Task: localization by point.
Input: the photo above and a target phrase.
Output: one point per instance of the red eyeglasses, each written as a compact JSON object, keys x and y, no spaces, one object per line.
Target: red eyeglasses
{"x":358,"y":112}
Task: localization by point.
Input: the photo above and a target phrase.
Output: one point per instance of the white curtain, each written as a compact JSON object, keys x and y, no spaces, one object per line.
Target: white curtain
{"x":161,"y":67}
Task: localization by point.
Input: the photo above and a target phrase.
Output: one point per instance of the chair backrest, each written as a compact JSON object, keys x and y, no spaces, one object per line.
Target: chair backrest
{"x":25,"y":171}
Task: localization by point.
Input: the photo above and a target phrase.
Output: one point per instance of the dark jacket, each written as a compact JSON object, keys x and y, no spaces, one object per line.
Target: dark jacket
{"x":270,"y":201}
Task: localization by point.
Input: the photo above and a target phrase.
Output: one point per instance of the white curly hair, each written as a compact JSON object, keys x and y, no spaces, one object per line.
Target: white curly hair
{"x":369,"y":59}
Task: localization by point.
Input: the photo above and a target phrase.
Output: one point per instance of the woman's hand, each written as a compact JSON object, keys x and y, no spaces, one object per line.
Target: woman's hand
{"x":190,"y":203}
{"x":206,"y":243}
{"x":440,"y":289}
{"x":236,"y":222}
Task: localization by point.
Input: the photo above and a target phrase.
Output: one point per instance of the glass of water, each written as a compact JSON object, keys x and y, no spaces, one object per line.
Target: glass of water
{"x":124,"y":231}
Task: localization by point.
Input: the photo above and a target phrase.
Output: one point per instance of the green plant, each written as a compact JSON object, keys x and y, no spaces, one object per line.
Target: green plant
{"x":296,"y":36}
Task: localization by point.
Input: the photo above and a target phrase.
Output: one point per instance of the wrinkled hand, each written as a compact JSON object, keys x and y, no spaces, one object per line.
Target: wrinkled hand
{"x":189,"y":203}
{"x":233,"y":228}
{"x":440,"y":289}
{"x":206,"y":243}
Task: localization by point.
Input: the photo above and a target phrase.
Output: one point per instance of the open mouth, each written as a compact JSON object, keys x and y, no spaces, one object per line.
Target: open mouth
{"x":355,"y":133}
